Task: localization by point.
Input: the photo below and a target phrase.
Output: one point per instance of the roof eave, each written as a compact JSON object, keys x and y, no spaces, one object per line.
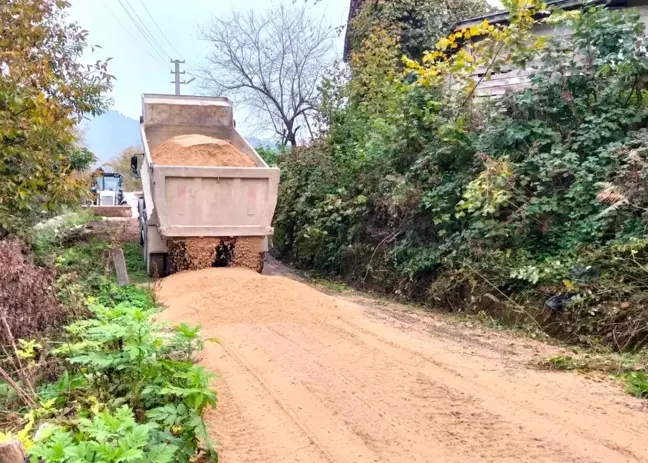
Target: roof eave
{"x":502,"y":17}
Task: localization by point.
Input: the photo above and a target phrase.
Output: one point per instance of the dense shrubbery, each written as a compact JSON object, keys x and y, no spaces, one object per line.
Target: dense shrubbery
{"x":132,"y":392}
{"x":418,"y":23}
{"x":488,"y":204}
{"x":115,"y":386}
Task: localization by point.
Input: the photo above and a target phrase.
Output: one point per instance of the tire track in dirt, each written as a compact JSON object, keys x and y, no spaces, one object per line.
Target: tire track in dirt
{"x":534,"y":406}
{"x":285,"y":408}
{"x":419,"y":412}
{"x":242,"y":400}
{"x":554,"y":396}
{"x":305,"y":377}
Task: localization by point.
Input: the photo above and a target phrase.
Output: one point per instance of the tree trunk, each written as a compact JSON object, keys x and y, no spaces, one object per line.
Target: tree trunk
{"x":12,"y":452}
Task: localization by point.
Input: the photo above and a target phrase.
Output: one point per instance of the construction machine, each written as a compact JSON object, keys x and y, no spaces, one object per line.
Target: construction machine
{"x":107,"y":192}
{"x":108,"y":189}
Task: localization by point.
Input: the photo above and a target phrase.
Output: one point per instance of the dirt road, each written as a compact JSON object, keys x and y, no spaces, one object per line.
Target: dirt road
{"x":305,"y":377}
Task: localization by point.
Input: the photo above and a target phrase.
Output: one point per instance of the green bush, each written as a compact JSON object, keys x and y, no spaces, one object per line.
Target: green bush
{"x":135,"y":264}
{"x":107,"y":437}
{"x":269,"y":155}
{"x":131,"y":388}
{"x":418,"y":23}
{"x":125,"y":387}
{"x":54,"y":233}
{"x":637,"y":384}
{"x":426,"y":193}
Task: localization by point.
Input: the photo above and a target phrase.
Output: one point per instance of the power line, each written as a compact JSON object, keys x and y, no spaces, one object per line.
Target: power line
{"x":146,"y":29}
{"x":159,"y":29}
{"x":155,"y":58}
{"x":143,"y":30}
{"x":154,"y":45}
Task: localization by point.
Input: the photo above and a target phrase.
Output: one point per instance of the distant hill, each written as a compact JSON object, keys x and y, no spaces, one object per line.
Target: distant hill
{"x":111,"y":133}
{"x":256,"y":142}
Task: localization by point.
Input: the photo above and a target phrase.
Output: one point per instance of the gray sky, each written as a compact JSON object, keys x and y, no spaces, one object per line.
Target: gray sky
{"x":136,"y":70}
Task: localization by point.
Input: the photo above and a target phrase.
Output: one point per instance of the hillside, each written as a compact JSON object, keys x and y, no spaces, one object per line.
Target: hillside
{"x":109,"y":134}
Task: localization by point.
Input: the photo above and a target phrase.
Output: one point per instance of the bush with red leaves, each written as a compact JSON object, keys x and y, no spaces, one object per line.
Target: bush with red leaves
{"x":27,"y":299}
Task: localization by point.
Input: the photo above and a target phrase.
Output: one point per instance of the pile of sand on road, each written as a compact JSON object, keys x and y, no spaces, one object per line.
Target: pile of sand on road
{"x":199,"y":150}
{"x":213,"y":296}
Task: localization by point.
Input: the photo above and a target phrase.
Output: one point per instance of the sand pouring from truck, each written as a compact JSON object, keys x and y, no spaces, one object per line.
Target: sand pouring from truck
{"x":208,"y":197}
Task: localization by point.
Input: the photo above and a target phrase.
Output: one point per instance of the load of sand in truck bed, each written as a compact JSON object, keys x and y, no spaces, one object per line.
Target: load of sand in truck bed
{"x":199,"y":150}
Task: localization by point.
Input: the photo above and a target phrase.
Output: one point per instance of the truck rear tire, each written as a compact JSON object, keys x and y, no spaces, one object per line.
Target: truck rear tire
{"x":158,"y":265}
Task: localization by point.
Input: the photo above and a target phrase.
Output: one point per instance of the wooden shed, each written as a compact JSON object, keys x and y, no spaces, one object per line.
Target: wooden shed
{"x":515,"y":78}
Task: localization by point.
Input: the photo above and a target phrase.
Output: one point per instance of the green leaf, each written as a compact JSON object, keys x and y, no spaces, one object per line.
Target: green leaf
{"x":162,"y":453}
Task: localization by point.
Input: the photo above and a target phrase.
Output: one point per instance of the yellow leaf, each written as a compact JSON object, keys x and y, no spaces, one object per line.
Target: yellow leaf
{"x":48,"y":405}
{"x":569,"y":285}
{"x":443,"y":43}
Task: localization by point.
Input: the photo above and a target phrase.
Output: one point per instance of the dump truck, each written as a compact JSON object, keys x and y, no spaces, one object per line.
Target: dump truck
{"x":199,"y":202}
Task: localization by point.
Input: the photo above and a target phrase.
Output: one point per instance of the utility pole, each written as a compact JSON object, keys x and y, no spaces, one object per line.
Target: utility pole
{"x":177,"y":73}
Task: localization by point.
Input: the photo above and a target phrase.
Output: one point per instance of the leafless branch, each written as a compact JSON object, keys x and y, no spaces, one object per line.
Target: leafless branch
{"x":23,"y":374}
{"x":272,"y":63}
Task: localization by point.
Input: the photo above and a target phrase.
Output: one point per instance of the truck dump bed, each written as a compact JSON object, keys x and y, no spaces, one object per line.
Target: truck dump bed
{"x":205,"y":201}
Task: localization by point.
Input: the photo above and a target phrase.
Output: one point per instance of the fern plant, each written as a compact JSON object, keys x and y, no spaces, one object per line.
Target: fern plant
{"x":125,"y":360}
{"x":107,"y":437}
{"x":188,"y":339}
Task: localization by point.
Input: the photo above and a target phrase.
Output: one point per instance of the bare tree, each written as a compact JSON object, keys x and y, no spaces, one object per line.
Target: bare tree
{"x":272,"y":63}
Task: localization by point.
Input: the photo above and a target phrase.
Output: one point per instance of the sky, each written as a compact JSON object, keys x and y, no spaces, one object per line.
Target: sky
{"x":138,"y":69}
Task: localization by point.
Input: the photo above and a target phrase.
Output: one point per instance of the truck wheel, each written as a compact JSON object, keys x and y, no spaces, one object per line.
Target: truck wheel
{"x":158,"y":265}
{"x":262,"y":264}
{"x":144,"y":241}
